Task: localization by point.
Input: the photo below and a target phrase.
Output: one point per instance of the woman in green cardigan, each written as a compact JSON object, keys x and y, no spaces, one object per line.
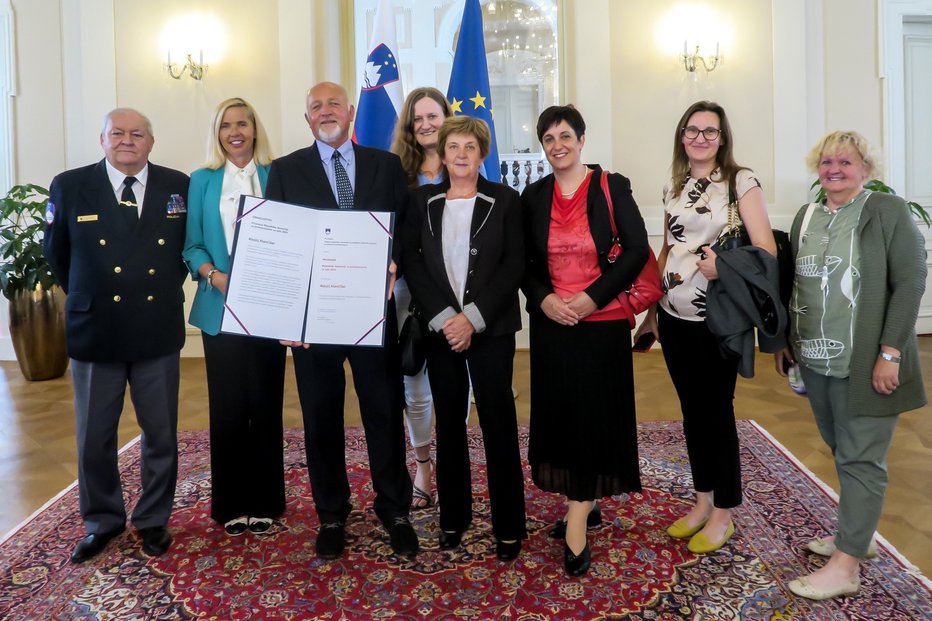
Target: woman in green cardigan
{"x":860,"y":276}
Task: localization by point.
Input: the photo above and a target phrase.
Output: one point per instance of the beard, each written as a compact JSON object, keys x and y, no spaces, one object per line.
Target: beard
{"x":329,"y":135}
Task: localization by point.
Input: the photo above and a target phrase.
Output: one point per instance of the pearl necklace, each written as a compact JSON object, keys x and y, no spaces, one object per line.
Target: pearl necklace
{"x":569,"y":194}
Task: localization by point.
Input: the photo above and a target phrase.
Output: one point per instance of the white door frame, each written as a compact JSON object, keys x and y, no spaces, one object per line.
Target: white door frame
{"x":892,"y":72}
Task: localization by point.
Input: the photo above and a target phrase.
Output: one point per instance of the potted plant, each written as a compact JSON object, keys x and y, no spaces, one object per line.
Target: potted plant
{"x":876,"y":185}
{"x":37,"y":303}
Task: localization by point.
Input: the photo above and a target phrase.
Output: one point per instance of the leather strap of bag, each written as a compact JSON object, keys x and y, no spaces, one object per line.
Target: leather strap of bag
{"x":734,"y":217}
{"x":615,"y":251}
{"x":603,"y":181}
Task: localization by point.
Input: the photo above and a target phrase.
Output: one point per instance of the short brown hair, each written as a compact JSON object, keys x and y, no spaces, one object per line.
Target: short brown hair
{"x":470,"y":126}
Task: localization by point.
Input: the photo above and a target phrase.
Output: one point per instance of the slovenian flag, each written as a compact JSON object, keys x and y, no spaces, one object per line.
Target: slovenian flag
{"x":469,"y":91}
{"x":380,"y":97}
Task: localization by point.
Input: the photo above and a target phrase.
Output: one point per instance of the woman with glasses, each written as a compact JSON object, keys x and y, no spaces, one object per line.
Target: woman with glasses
{"x":705,"y":180}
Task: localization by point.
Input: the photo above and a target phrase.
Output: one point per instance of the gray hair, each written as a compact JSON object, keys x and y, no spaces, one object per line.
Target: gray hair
{"x":116,"y":111}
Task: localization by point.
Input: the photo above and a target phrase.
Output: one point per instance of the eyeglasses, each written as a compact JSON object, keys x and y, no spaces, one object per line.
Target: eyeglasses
{"x":710,"y":133}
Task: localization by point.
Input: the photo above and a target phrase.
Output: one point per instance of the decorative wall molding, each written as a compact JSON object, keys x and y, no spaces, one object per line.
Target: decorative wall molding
{"x":7,"y":92}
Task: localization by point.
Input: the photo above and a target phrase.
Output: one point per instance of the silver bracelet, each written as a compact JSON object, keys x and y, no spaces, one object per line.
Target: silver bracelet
{"x":210,"y":273}
{"x":890,"y":357}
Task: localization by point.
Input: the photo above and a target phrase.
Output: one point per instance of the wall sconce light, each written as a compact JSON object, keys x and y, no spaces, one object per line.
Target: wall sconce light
{"x":692,"y":61}
{"x":195,"y":69}
{"x":188,"y":37}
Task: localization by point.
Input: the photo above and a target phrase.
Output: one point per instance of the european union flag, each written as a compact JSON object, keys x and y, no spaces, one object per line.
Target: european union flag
{"x":469,"y":91}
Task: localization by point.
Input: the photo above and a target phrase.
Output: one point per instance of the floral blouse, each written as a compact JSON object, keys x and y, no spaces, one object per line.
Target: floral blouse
{"x":695,"y":218}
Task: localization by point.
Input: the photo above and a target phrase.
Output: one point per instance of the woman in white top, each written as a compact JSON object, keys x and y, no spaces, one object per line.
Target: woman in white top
{"x":245,"y":375}
{"x":463,"y":255}
{"x":705,"y":180}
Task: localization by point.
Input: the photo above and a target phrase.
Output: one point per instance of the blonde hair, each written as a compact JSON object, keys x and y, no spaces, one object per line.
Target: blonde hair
{"x":216,"y":156}
{"x":838,"y":141}
{"x":404,"y":142}
{"x":468,"y":126}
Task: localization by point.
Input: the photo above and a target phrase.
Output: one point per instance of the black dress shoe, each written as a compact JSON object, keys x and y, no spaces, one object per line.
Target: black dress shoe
{"x":507,"y":551}
{"x":402,"y":537}
{"x":450,"y":540}
{"x":92,"y":545}
{"x":577,"y":565}
{"x":331,"y":538}
{"x":258,"y":526}
{"x":593,"y":520}
{"x":236,"y":526}
{"x":155,"y":540}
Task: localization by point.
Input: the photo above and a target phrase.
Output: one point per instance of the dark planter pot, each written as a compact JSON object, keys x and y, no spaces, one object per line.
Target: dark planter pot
{"x":37,"y":327}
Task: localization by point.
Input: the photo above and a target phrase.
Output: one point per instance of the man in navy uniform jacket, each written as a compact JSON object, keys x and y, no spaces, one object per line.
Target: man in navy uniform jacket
{"x":114,"y":239}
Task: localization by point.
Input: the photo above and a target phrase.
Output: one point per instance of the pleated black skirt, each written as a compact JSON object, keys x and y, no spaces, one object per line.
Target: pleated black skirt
{"x":583,"y":433}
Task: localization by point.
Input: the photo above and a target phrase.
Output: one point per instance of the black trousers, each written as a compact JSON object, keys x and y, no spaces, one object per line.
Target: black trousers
{"x":378,"y":381}
{"x":705,"y":385}
{"x":245,"y":387}
{"x":489,"y":361}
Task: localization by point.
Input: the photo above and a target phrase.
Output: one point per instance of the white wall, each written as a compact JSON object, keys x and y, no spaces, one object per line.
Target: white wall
{"x":792,"y":69}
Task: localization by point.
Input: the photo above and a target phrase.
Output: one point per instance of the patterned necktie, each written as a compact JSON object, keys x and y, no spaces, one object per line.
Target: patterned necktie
{"x":344,"y":189}
{"x":129,"y":209}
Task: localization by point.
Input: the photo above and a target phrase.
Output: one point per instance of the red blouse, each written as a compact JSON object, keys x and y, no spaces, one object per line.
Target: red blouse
{"x":571,"y":254}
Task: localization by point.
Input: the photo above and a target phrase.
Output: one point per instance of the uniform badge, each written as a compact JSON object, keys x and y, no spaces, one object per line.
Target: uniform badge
{"x":50,"y":213}
{"x":176,"y":205}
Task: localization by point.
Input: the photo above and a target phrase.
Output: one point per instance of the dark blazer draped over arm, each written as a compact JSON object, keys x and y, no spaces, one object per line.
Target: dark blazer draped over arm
{"x":536,"y":201}
{"x":496,"y":255}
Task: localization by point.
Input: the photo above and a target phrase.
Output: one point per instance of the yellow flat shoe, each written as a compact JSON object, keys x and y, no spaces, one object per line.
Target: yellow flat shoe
{"x":804,"y":588}
{"x":700,"y":544}
{"x":681,"y":529}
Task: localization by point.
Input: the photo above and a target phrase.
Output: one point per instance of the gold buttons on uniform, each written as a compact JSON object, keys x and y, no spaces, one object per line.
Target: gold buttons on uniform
{"x":161,"y":242}
{"x":151,"y":271}
{"x":150,"y":298}
{"x":117,"y":269}
{"x":103,"y":242}
{"x":117,"y":298}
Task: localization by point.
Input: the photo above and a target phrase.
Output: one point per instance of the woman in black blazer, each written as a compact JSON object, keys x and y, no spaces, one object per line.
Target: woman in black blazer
{"x":463,"y":259}
{"x":583,"y":441}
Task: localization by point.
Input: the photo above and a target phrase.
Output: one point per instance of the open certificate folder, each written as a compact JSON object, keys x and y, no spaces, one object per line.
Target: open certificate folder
{"x":311,"y":275}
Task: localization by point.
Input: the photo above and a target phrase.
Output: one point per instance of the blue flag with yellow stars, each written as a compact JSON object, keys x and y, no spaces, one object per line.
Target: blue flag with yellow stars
{"x":469,"y":91}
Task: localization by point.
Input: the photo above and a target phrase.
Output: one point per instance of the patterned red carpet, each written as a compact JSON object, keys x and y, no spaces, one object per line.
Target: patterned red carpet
{"x":637,"y":573}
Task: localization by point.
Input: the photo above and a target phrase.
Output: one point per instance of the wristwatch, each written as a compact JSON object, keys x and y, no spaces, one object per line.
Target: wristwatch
{"x":210,"y":273}
{"x":890,"y":357}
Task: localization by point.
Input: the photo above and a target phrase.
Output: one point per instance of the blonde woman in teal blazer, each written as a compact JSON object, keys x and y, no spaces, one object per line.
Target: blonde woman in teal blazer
{"x":245,"y":375}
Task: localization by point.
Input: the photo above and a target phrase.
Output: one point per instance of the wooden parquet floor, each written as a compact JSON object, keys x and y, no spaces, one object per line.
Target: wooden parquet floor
{"x":37,"y":447}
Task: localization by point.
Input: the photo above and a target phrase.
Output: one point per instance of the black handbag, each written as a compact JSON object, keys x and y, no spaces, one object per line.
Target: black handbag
{"x":412,"y":342}
{"x":735,"y":235}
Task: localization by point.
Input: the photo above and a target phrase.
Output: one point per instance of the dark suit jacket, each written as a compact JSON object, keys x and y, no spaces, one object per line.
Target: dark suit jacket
{"x":536,"y":202}
{"x":299,"y":178}
{"x":125,"y":300}
{"x":496,"y":255}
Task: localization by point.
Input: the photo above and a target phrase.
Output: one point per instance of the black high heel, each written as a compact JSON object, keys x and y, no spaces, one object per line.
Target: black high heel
{"x":593,"y":520}
{"x":577,"y":564}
